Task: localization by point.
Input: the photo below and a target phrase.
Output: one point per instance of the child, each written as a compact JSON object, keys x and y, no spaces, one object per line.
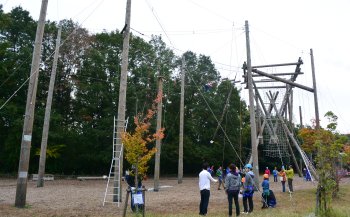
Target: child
{"x":275,"y":173}
{"x":219,"y":175}
{"x":283,"y":178}
{"x":266,"y":190}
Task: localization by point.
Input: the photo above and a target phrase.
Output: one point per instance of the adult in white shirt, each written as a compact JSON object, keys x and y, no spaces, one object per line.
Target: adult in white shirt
{"x":204,"y":187}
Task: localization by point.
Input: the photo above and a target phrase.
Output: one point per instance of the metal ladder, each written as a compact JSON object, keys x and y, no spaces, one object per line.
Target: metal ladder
{"x":112,"y":192}
{"x":309,"y":166}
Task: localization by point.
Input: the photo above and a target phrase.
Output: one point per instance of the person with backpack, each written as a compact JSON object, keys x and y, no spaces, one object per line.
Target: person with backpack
{"x":232,"y":186}
{"x":248,"y":189}
{"x":266,"y":190}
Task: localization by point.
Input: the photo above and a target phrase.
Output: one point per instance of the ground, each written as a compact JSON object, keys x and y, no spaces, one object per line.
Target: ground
{"x":85,"y":198}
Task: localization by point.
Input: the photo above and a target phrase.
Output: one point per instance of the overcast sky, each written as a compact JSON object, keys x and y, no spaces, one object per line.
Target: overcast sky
{"x":280,"y":32}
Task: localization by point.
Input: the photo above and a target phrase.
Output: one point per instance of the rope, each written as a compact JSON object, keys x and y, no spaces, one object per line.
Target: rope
{"x":208,"y":106}
{"x":74,"y":30}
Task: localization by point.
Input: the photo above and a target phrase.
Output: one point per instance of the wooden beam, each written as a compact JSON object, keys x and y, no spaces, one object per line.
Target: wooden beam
{"x":281,"y":74}
{"x":275,"y":65}
{"x":283,"y":80}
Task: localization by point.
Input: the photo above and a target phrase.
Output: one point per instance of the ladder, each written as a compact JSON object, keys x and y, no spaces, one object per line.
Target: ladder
{"x":112,"y":192}
{"x":309,"y":166}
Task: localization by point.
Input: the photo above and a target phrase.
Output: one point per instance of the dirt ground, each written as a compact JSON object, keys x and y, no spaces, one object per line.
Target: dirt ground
{"x":85,"y":198}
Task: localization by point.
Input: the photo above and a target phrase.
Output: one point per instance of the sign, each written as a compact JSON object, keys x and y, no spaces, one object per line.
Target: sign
{"x":138,"y":199}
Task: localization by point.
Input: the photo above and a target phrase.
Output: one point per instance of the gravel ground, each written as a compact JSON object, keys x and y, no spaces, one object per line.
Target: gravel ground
{"x":85,"y":198}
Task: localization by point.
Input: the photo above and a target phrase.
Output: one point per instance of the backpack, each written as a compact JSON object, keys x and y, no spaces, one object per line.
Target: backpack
{"x":236,"y":183}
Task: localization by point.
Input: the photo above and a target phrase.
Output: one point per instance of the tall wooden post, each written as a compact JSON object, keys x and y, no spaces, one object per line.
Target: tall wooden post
{"x":301,"y":117}
{"x":181,"y":130}
{"x":158,"y":141}
{"x":42,"y":161}
{"x":290,"y":108}
{"x":317,"y":115}
{"x":21,"y":190}
{"x":122,"y":98}
{"x":252,"y":109}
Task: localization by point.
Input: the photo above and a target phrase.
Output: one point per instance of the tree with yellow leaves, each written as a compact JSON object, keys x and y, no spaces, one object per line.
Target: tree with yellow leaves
{"x":135,"y":144}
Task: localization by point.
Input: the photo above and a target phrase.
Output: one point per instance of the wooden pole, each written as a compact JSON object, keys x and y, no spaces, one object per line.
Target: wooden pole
{"x":21,"y":190}
{"x":290,"y":108}
{"x":42,"y":161}
{"x":251,"y":109}
{"x":126,"y":202}
{"x":317,"y":116}
{"x":181,"y":131}
{"x":301,"y":117}
{"x":158,"y":141}
{"x":122,"y":99}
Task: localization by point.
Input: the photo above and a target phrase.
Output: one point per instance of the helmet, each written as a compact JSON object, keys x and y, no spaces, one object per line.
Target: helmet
{"x":266,"y":176}
{"x":249,"y":166}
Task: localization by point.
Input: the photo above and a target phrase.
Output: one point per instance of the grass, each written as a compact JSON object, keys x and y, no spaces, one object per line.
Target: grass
{"x":302,"y":203}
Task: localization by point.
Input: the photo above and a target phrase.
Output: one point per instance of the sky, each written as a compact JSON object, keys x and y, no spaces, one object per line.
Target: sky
{"x":280,"y":32}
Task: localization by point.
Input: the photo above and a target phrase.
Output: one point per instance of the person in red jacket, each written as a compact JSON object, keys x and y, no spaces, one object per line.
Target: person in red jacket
{"x":268,"y":172}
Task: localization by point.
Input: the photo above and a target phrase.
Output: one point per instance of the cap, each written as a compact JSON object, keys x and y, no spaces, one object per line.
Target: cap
{"x":249,"y":166}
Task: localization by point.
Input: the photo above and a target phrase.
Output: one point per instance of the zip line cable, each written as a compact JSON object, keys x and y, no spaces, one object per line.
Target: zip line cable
{"x":208,"y":106}
{"x":152,"y":9}
{"x":15,"y":71}
{"x":74,"y":30}
{"x":207,"y":9}
{"x":157,"y":18}
{"x":275,"y":37}
{"x":25,"y":61}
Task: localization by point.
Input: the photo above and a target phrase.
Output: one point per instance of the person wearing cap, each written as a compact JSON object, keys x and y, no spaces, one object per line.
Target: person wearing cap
{"x":204,"y":187}
{"x":266,"y":189}
{"x":248,"y":189}
{"x":290,"y":176}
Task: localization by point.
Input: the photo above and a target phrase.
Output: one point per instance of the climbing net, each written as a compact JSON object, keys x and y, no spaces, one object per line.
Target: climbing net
{"x":276,"y":142}
{"x":276,"y":145}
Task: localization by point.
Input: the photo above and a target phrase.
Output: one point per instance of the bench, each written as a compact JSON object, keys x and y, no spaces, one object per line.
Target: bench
{"x":47,"y":177}
{"x":82,"y":178}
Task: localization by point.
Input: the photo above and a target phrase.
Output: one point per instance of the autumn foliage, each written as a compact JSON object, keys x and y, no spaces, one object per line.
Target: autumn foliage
{"x":135,"y":144}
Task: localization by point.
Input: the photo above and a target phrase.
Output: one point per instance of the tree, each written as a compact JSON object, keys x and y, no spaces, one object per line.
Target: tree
{"x":17,"y":33}
{"x":136,"y":151}
{"x":328,"y":144}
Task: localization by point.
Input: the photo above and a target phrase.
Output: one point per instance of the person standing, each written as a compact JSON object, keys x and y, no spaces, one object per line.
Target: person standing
{"x":283,"y":178}
{"x":290,"y":176}
{"x":232,"y":186}
{"x":204,"y":187}
{"x":268,"y":172}
{"x":275,"y":173}
{"x":220,"y":177}
{"x":308,"y":175}
{"x":248,"y":189}
{"x":266,"y":190}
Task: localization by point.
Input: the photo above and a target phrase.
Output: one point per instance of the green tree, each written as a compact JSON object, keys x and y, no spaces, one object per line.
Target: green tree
{"x":16,"y":39}
{"x":328,"y":144}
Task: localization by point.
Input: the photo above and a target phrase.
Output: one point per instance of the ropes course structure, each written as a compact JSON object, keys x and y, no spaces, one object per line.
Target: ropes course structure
{"x":273,"y":94}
